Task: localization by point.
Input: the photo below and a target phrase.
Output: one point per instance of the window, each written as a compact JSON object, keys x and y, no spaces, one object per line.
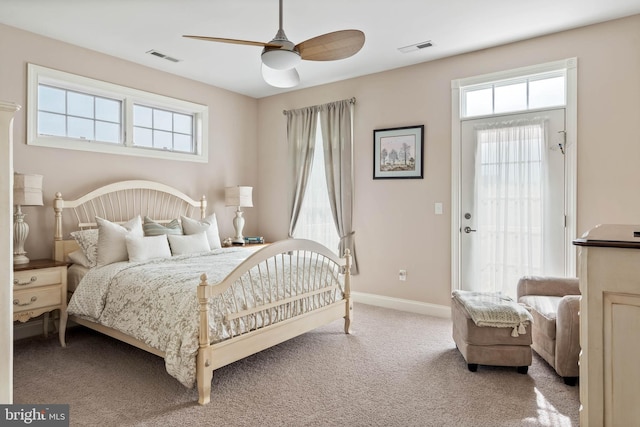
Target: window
{"x":315,"y":221}
{"x":161,"y":129}
{"x":78,"y":113}
{"x":511,"y":95}
{"x":71,"y":114}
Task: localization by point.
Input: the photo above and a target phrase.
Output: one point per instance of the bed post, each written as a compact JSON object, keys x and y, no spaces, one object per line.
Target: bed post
{"x":347,"y":292}
{"x":203,"y":207}
{"x":204,"y":371}
{"x":58,"y":204}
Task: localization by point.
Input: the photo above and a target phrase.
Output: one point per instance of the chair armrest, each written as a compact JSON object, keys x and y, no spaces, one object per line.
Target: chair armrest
{"x":550,"y":286}
{"x":568,"y":336}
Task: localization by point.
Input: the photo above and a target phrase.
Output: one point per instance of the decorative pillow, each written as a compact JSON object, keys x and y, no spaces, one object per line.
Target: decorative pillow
{"x":88,"y":242}
{"x":189,"y":244}
{"x":209,"y":225}
{"x":78,"y":257}
{"x":142,"y":248}
{"x":112,"y":246}
{"x":152,"y":228}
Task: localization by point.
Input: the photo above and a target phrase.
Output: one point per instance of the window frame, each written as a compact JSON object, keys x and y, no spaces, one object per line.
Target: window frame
{"x":37,"y":75}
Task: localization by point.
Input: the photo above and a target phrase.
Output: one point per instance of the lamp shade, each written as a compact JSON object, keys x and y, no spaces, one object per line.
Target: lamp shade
{"x":280,"y":59}
{"x":27,"y":190}
{"x":280,"y":78}
{"x":238,"y":196}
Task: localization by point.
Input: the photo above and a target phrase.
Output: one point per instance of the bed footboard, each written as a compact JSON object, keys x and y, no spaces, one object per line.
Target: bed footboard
{"x":300,"y":285}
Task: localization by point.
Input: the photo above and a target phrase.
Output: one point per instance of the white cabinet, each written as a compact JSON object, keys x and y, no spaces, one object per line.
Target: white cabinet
{"x":609,"y":326}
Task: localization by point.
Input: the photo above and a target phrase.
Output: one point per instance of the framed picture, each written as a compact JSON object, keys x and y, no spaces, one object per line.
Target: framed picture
{"x":398,"y":153}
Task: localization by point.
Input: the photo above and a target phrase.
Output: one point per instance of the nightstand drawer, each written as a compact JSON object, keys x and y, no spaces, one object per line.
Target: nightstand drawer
{"x":34,"y":278}
{"x":32,"y":299}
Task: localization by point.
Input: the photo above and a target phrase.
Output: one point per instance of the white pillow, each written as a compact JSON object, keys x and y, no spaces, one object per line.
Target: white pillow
{"x":142,"y":248}
{"x":208,"y":225}
{"x":78,"y":257}
{"x":188,"y":244}
{"x":112,"y":246}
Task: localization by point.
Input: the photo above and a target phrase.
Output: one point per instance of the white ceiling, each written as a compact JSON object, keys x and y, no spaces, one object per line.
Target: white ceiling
{"x":129,"y":28}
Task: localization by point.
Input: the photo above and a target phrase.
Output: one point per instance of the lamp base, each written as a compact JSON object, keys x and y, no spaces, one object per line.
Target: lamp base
{"x":238,"y":224}
{"x":20,"y":233}
{"x":20,"y":259}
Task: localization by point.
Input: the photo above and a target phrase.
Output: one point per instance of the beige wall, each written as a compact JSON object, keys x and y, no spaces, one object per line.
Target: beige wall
{"x":394,"y":219}
{"x":232,"y":135}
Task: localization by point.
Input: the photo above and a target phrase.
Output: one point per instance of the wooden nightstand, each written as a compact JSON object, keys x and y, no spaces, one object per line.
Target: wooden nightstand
{"x":41,"y":287}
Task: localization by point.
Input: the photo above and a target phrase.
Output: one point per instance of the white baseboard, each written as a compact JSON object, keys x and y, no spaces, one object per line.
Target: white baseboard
{"x":403,"y":304}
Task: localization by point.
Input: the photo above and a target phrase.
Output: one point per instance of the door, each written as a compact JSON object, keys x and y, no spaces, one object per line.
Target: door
{"x":512,"y":200}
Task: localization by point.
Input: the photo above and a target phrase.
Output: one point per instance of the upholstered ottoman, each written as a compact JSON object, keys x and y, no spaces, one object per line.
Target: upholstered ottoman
{"x":485,"y":345}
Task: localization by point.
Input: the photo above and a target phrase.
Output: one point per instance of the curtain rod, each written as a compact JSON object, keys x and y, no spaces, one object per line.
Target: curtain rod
{"x":351,"y":101}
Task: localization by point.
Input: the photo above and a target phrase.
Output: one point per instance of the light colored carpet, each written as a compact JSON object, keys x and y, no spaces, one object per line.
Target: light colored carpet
{"x":395,"y":369}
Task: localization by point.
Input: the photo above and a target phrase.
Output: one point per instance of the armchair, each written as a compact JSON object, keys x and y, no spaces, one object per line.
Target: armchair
{"x":554,"y":304}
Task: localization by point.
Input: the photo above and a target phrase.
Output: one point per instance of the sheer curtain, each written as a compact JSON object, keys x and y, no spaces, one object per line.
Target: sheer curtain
{"x":510,"y":182}
{"x":315,"y":219}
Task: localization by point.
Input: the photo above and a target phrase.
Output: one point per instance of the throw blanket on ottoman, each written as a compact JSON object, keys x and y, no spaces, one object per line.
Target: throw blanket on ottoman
{"x":495,"y":310}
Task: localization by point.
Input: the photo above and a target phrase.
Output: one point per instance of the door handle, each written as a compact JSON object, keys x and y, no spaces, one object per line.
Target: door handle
{"x":468,"y":229}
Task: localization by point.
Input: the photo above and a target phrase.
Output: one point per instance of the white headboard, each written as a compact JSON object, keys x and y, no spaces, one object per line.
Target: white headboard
{"x":119,"y":202}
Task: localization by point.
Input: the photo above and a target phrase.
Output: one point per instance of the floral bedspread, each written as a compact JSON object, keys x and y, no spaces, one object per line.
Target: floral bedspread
{"x":156,"y":302}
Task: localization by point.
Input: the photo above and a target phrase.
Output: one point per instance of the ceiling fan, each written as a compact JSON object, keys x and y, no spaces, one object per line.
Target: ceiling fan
{"x":280,"y":56}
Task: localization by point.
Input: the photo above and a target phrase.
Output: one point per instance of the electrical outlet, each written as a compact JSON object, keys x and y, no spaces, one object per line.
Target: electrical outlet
{"x":402,"y":275}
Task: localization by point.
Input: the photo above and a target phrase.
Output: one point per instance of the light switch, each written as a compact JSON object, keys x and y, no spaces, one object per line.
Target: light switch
{"x":438,"y":208}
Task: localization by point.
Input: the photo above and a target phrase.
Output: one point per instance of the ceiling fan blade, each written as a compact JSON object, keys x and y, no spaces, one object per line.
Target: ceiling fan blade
{"x":233,"y":41}
{"x":331,"y":46}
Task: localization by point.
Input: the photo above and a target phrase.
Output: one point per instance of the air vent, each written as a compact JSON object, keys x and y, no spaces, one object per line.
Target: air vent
{"x":162,"y":55}
{"x":417,"y":46}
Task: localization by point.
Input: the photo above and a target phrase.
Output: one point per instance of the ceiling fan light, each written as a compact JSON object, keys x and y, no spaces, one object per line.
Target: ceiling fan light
{"x":280,"y":59}
{"x":280,"y":78}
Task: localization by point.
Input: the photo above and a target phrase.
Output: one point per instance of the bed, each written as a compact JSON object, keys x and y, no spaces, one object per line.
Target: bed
{"x":198,"y":309}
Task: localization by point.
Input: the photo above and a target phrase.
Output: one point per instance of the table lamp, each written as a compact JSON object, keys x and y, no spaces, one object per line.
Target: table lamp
{"x":27,"y":191}
{"x":241,"y":198}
